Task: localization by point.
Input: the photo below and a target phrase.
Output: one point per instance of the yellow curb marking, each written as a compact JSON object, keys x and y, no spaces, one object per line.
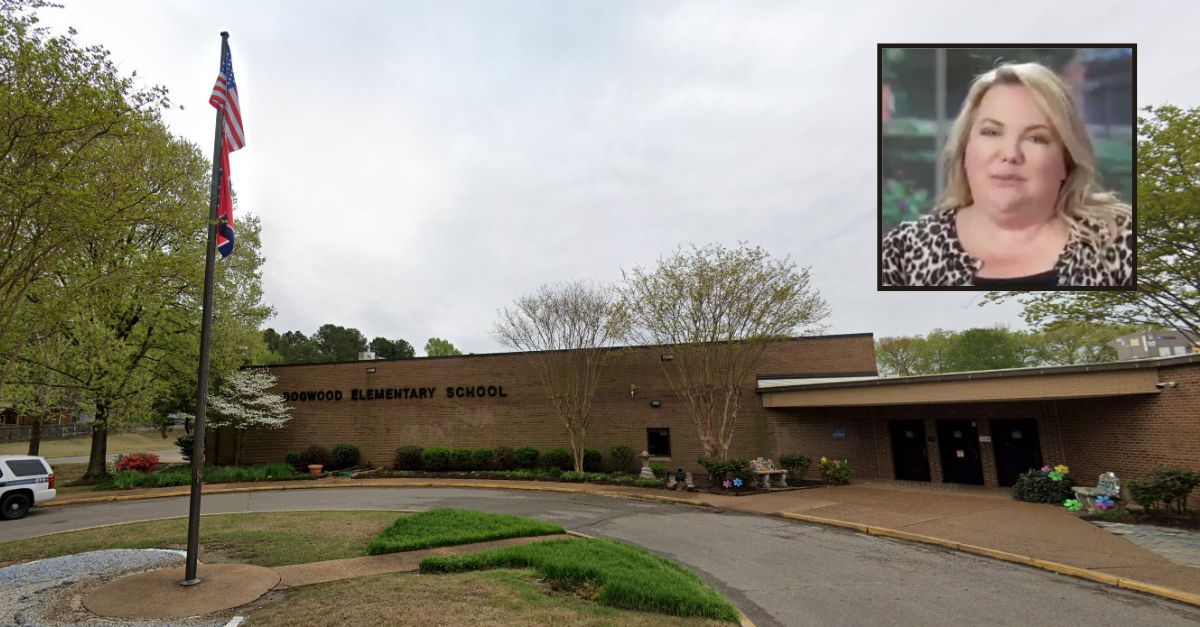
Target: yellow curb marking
{"x":1062,"y":569}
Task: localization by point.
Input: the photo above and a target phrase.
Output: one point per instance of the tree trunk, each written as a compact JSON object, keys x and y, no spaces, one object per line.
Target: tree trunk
{"x":98,"y":460}
{"x":35,"y":436}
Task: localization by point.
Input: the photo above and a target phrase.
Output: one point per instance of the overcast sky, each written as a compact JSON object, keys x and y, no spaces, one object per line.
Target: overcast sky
{"x":416,"y":165}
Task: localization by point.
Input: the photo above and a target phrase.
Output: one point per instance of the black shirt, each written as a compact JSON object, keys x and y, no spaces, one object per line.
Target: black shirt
{"x":1038,"y":281}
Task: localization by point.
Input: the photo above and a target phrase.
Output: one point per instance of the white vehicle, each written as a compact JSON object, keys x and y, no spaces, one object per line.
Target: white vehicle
{"x":24,"y":481}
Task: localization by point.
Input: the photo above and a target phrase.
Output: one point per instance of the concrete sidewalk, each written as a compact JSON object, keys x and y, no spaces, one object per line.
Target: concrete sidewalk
{"x":982,"y":521}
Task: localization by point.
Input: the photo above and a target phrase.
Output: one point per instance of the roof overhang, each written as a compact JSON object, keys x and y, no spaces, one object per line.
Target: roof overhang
{"x":1039,"y":384}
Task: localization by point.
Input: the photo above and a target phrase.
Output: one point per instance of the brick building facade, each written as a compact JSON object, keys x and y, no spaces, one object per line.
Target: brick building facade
{"x":818,"y":396}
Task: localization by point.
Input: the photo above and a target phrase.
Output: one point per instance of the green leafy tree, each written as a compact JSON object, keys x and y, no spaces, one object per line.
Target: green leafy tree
{"x":38,"y":393}
{"x":988,"y":349}
{"x":1067,"y":343}
{"x":715,"y":309}
{"x":437,"y":347}
{"x":66,"y":118}
{"x":392,"y":349}
{"x":915,"y":355}
{"x":1168,"y":238}
{"x":335,"y":343}
{"x":566,"y":332}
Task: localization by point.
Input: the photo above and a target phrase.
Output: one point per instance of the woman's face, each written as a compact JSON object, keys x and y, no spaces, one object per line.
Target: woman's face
{"x":1014,"y":159}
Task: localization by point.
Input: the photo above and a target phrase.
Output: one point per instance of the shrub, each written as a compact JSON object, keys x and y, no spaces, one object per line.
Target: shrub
{"x":141,"y":462}
{"x":558,"y":458}
{"x":184,"y":442}
{"x":571,"y":475}
{"x":481,"y":458}
{"x":460,"y":459}
{"x":621,"y":478}
{"x":717,"y":470}
{"x":836,"y":471}
{"x":621,"y":458}
{"x":526,"y":457}
{"x":658,"y":469}
{"x":648,"y":483}
{"x":797,"y":464}
{"x":345,"y":456}
{"x":293,"y":459}
{"x":1167,"y":489}
{"x":435,"y":458}
{"x":408,"y":457}
{"x":506,"y":458}
{"x":316,"y":455}
{"x":1044,"y":486}
{"x":592,"y":460}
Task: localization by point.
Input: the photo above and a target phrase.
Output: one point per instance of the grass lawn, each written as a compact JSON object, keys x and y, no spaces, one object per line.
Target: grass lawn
{"x":264,"y":539}
{"x":612,"y":573}
{"x":446,"y":527}
{"x":122,"y":443}
{"x":498,"y":597}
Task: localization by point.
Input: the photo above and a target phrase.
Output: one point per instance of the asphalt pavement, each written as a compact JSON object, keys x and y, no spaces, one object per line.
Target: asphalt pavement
{"x":778,"y":571}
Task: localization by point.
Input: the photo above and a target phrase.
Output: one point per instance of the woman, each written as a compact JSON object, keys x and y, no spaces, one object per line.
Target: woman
{"x":1022,"y":208}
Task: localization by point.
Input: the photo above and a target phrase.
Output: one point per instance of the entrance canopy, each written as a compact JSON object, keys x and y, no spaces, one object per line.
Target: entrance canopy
{"x":1018,"y":384}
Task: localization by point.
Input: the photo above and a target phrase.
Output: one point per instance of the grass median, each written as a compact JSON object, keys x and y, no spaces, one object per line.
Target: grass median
{"x":611,"y":573}
{"x":263,"y":539}
{"x":447,"y":527}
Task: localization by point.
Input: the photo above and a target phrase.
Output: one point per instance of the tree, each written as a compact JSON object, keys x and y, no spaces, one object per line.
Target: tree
{"x":988,"y":349}
{"x":245,"y":401}
{"x":336,"y":343}
{"x":1067,"y":343}
{"x":37,"y":391}
{"x":65,"y":109}
{"x":715,"y":309}
{"x":1168,"y":238}
{"x":437,"y":347}
{"x":566,"y":332}
{"x":389,"y":349}
{"x":914,"y":355}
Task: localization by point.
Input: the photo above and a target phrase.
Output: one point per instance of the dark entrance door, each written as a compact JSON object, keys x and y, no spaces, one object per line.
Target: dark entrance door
{"x":1017,"y":448}
{"x":958,"y":441}
{"x":909,"y":453}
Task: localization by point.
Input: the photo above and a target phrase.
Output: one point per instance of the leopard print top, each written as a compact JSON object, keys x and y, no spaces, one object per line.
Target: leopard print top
{"x":927,"y":252}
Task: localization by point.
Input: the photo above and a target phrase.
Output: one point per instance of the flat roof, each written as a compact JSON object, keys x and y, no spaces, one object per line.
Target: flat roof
{"x":858,"y":382}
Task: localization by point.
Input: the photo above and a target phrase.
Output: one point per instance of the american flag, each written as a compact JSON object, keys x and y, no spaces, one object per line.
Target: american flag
{"x":225,"y":99}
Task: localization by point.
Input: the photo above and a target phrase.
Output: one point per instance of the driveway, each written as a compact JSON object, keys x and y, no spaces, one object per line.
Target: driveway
{"x":779,"y":572}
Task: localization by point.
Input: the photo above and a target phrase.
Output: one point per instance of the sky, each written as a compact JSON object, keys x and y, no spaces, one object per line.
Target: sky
{"x":417,"y":165}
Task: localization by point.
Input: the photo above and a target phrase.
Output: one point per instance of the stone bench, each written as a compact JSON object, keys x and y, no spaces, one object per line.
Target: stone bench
{"x":768,"y":475}
{"x":1106,"y":485}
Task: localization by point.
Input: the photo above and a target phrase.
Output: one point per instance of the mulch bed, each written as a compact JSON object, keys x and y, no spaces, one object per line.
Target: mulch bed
{"x":1190,"y":521}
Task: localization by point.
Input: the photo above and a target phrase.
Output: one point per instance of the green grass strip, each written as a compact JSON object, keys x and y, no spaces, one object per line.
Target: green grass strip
{"x":446,"y":527}
{"x":182,"y":475}
{"x":627,"y":576}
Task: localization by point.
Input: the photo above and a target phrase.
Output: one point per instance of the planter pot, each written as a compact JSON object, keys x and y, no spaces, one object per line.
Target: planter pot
{"x":315,"y":469}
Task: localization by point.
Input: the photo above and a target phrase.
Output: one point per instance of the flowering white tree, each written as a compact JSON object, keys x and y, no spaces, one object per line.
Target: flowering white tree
{"x":244,"y":402}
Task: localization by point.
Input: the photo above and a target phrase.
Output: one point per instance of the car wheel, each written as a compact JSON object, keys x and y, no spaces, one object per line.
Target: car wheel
{"x":15,"y":506}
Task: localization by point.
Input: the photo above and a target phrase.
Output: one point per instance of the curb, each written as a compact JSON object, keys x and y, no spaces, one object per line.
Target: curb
{"x":311,"y":485}
{"x":1062,"y":569}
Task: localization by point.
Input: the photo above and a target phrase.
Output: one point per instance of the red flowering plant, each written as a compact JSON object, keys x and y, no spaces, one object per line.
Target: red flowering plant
{"x":144,"y":462}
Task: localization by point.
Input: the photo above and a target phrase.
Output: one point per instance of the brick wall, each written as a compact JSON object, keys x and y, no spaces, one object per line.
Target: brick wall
{"x":522,"y":416}
{"x":1132,"y":436}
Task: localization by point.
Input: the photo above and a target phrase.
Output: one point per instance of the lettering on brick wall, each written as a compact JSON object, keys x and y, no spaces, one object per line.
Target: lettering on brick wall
{"x":396,"y":394}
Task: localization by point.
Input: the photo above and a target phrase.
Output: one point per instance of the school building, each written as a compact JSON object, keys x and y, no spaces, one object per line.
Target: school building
{"x":819,"y":396}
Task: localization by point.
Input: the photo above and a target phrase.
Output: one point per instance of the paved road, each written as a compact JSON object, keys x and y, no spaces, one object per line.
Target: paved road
{"x":779,"y":572}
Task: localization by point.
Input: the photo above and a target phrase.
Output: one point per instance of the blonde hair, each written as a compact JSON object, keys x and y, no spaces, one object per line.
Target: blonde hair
{"x":1080,"y":196}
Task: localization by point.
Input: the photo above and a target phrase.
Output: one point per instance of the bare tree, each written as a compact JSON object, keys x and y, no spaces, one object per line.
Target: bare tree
{"x":716,"y":309}
{"x":566,"y":331}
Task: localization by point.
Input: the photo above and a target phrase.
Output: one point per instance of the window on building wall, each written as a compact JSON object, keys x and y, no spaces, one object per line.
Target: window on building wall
{"x":658,"y":442}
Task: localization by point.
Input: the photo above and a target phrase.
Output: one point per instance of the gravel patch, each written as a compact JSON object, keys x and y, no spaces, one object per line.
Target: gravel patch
{"x":49,"y":591}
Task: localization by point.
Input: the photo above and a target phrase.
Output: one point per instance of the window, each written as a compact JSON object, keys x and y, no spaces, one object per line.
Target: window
{"x":1164,"y":351}
{"x":658,"y":442}
{"x":26,"y":467}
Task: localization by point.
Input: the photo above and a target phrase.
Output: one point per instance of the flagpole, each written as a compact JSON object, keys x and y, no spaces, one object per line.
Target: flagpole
{"x":210,"y":261}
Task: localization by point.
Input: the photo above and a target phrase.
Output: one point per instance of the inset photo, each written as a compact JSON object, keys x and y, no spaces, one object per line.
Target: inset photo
{"x":1007,"y":167}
